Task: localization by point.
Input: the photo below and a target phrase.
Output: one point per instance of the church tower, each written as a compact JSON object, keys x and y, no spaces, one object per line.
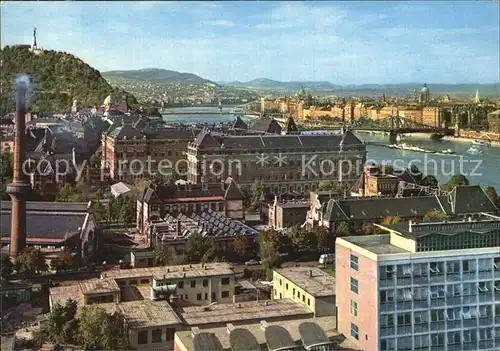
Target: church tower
{"x":476,"y":98}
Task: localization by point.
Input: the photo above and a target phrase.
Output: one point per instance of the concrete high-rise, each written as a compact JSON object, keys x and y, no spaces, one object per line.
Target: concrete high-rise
{"x":19,"y":188}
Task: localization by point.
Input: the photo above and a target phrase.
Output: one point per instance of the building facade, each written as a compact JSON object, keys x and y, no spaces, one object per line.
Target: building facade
{"x":428,"y":286}
{"x":283,"y":163}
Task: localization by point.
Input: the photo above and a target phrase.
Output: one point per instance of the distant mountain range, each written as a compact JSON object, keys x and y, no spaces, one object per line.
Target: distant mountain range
{"x":155,"y":76}
{"x":265,"y":84}
{"x":167,"y":77}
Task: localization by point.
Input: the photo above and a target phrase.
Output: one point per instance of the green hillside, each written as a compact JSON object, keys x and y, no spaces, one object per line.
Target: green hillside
{"x":155,"y":76}
{"x":59,"y":79}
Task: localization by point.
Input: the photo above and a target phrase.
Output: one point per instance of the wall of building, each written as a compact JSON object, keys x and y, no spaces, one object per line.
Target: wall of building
{"x":366,"y":298}
{"x":235,"y":210}
{"x":166,"y":342}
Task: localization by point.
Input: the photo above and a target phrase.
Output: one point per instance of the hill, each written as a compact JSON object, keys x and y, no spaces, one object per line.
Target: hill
{"x":155,"y":76}
{"x":59,"y":77}
{"x":464,"y":90}
{"x":274,"y":85}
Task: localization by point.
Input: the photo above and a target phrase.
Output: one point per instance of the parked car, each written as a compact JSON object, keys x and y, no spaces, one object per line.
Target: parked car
{"x":327,"y":259}
{"x":252,"y":263}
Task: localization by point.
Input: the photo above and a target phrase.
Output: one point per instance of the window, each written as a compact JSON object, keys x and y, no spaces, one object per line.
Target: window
{"x":308,"y":302}
{"x":454,"y":338}
{"x":286,"y":286}
{"x":225,"y":294}
{"x":144,"y":281}
{"x":198,"y":297}
{"x":214,"y":296}
{"x":205,"y":282}
{"x":354,"y":262}
{"x":354,"y":308}
{"x":437,"y":315}
{"x":132,"y":282}
{"x":170,"y":334}
{"x":485,"y":334}
{"x":437,"y":339}
{"x":387,"y":321}
{"x":354,"y":331}
{"x":225,"y":281}
{"x":281,"y":282}
{"x":405,"y":294}
{"x":404,"y":319}
{"x":186,"y":297}
{"x":387,"y":344}
{"x":354,"y":285}
{"x":437,"y":291}
{"x":293,"y":292}
{"x":387,"y":296}
{"x":303,"y":298}
{"x":206,"y":296}
{"x":180,"y":285}
{"x":483,"y":287}
{"x":142,"y":337}
{"x":193,"y":283}
{"x":421,"y":341}
{"x":298,"y":294}
{"x":469,"y":335}
{"x":420,"y":317}
{"x":435,"y":267}
{"x":156,"y":334}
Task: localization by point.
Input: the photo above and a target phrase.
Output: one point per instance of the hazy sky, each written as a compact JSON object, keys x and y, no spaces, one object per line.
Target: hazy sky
{"x":342,"y":42}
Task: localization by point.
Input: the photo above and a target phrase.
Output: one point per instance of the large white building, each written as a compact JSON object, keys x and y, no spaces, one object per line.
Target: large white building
{"x":427,"y":286}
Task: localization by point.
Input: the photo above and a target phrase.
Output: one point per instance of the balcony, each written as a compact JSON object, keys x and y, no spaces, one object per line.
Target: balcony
{"x":469,"y":276}
{"x":484,"y":321}
{"x":404,"y":329}
{"x":387,"y":307}
{"x":469,"y":323}
{"x":404,"y":305}
{"x":437,"y":278}
{"x":387,"y":331}
{"x":424,"y":280}
{"x":455,"y":347}
{"x":454,"y":324}
{"x":453,"y":277}
{"x":469,"y":346}
{"x":438,"y":302}
{"x":485,"y":297}
{"x":485,"y":344}
{"x":483,"y":275}
{"x":497,"y":321}
{"x":403,"y":281}
{"x":469,"y":300}
{"x":387,"y":283}
{"x":437,"y":326}
{"x":421,"y":328}
{"x":453,"y":300}
{"x":497,"y":273}
{"x":497,"y":295}
{"x":419,"y":304}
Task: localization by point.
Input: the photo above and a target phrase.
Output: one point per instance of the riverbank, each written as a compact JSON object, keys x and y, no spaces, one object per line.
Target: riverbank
{"x":493,"y":143}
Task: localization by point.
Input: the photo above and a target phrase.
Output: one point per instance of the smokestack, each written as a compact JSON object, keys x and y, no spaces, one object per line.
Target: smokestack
{"x":19,"y":188}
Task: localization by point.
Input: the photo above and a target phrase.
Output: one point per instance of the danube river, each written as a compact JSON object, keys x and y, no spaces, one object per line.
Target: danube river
{"x":483,"y":169}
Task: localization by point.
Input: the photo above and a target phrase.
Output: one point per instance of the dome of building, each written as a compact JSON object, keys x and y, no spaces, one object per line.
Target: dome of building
{"x":424,"y":88}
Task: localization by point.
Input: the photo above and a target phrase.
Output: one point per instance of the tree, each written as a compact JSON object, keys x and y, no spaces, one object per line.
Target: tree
{"x":391,"y":220}
{"x":162,"y":255}
{"x":68,"y":193}
{"x":64,"y":260}
{"x":270,"y":244}
{"x":456,"y":180}
{"x":304,"y":240}
{"x":6,"y":171}
{"x":242,"y":248}
{"x":492,"y":195}
{"x":256,"y":193}
{"x":6,"y":266}
{"x":196,"y":247}
{"x":431,"y":181}
{"x":325,"y":240}
{"x":99,"y":330}
{"x":436,"y":216}
{"x":325,"y":185}
{"x":62,"y":326}
{"x":343,"y":229}
{"x":416,"y":174}
{"x":30,"y":260}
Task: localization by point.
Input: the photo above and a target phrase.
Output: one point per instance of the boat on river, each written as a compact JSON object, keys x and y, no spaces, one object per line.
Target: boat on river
{"x":474,"y":151}
{"x":481,"y":143}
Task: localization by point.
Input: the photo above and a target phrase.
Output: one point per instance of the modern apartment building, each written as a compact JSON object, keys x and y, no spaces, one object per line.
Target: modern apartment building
{"x":427,"y":286}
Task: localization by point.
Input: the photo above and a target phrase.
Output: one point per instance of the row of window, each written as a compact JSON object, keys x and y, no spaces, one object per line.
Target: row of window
{"x":438,"y":315}
{"x":143,"y":336}
{"x":298,"y":295}
{"x":437,"y":291}
{"x":437,"y":268}
{"x":199,"y":296}
{"x":440,"y":339}
{"x":214,"y":206}
{"x":192,"y":283}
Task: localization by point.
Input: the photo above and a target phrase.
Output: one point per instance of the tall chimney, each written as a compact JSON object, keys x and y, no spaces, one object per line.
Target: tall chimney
{"x":19,"y":188}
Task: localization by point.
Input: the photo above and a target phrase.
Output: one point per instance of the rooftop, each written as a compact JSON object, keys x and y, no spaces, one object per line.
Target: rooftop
{"x":313,"y":280}
{"x":148,"y":313}
{"x":292,"y":326}
{"x":171,"y":272}
{"x":98,"y":286}
{"x":244,"y":311}
{"x":378,"y":244}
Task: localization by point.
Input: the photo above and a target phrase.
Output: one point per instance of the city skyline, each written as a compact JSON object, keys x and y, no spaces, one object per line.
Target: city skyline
{"x":340,"y":42}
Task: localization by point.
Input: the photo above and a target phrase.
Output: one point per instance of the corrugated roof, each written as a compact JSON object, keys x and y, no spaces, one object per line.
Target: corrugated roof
{"x":243,"y":340}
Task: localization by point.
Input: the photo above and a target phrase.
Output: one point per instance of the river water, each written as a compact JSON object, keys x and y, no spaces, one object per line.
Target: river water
{"x":483,"y":169}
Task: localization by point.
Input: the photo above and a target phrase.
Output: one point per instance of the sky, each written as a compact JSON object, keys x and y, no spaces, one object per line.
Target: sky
{"x":342,"y":42}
